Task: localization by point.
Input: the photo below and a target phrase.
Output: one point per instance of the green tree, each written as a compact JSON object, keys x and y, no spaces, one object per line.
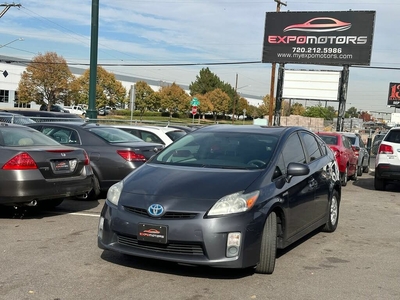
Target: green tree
{"x":352,"y":112}
{"x":173,"y":98}
{"x":46,"y":80}
{"x":318,"y":111}
{"x":205,"y":82}
{"x":109,"y":91}
{"x":144,"y":98}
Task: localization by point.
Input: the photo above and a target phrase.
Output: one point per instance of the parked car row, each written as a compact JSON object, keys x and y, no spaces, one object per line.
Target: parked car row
{"x":351,"y":154}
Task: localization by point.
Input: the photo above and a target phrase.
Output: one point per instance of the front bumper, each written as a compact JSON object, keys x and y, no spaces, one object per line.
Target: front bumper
{"x":196,"y":241}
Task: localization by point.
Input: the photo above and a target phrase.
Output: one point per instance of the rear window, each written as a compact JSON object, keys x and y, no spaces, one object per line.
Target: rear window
{"x":17,"y":137}
{"x":329,"y":139}
{"x":176,"y":134}
{"x":393,"y":136}
{"x":115,"y":135}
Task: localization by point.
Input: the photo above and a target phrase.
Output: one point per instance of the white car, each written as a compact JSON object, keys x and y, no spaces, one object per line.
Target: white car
{"x":387,"y":161}
{"x":154,"y":134}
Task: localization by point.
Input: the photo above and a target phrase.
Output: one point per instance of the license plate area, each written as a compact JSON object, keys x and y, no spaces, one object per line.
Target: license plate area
{"x":152,"y":233}
{"x":64,"y":165}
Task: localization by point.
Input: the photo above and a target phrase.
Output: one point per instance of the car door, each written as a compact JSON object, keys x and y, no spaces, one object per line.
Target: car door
{"x":318,"y":183}
{"x":299,"y":195}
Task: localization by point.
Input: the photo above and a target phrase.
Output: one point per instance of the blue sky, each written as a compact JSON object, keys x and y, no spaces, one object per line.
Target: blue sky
{"x":192,"y":31}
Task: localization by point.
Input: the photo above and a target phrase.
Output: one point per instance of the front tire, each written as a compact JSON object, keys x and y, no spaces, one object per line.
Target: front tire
{"x":266,"y":265}
{"x":333,"y":219}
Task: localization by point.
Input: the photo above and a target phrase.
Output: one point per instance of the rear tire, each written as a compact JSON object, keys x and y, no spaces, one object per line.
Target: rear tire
{"x":94,"y":192}
{"x":266,"y":264}
{"x":333,"y":218}
{"x":379,"y":184}
{"x":359,"y":170}
{"x":344,"y":176}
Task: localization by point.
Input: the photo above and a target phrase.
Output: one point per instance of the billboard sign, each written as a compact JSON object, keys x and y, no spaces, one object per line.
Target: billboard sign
{"x":394,"y":94}
{"x":327,"y":38}
{"x":311,"y":85}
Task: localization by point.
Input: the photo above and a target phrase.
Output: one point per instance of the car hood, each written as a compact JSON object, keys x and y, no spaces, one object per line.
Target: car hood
{"x":153,"y":183}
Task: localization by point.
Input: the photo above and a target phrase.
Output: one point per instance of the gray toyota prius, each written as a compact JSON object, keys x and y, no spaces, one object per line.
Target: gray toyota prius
{"x":225,"y":196}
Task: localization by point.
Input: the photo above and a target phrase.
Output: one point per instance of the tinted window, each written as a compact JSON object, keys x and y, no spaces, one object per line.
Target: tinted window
{"x":16,"y":137}
{"x":114,"y":135}
{"x":393,"y":136}
{"x":174,"y":135}
{"x":311,"y":146}
{"x":61,"y":135}
{"x":293,"y":151}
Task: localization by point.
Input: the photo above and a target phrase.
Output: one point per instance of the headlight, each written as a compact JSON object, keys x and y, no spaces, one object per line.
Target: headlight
{"x":114,"y":192}
{"x":234,"y":203}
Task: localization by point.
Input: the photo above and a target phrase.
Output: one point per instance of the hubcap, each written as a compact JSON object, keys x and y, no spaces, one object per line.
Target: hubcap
{"x":334,"y":210}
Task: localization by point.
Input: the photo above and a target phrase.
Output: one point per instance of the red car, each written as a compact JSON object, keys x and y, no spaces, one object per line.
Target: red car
{"x":345,"y":155}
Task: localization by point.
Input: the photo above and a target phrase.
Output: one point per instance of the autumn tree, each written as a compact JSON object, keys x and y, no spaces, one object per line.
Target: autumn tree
{"x":46,"y":80}
{"x":109,"y":91}
{"x":174,"y":98}
{"x":297,"y":109}
{"x":264,"y":106}
{"x":207,"y":81}
{"x":219,"y":100}
{"x":205,"y":105}
{"x":144,"y":98}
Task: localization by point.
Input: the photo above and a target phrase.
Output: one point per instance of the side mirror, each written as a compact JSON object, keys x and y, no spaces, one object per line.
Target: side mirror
{"x":296,"y":169}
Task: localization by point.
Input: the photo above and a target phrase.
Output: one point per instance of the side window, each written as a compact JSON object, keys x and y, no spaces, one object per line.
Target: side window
{"x":150,"y":137}
{"x":62,"y":135}
{"x":311,"y":146}
{"x":362,"y":145}
{"x":346,"y":142}
{"x":293,"y":151}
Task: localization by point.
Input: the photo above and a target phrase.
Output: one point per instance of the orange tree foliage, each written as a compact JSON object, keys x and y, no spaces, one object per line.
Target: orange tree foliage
{"x":46,"y":80}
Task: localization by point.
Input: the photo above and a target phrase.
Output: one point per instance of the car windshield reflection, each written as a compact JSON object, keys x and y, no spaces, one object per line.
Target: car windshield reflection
{"x":220,"y":150}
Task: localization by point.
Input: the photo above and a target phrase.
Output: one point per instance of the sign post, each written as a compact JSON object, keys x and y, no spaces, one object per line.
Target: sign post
{"x":195,"y":103}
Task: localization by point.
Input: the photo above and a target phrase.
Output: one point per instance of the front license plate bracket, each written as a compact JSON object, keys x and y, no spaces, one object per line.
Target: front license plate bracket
{"x":152,"y":233}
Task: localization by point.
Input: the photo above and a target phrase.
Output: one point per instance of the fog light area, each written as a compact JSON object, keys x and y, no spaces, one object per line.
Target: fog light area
{"x":233,"y":244}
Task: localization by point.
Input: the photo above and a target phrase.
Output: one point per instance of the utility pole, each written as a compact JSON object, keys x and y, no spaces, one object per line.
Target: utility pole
{"x":272,"y":88}
{"x":7,"y":7}
{"x":234,"y":100}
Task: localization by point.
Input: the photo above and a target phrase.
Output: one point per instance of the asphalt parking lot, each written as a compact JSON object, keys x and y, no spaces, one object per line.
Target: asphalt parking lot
{"x":54,"y":255}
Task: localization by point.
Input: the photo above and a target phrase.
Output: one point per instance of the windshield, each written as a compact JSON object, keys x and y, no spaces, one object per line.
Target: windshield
{"x":220,"y":150}
{"x":115,"y":135}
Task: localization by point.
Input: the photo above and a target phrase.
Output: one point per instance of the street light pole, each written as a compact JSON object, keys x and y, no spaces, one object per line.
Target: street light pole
{"x":18,"y":39}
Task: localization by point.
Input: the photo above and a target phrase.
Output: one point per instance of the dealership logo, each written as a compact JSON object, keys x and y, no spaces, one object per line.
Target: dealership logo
{"x":321,"y":24}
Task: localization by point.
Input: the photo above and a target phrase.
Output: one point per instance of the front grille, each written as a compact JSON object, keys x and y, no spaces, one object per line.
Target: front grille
{"x":167,"y":215}
{"x":172,"y":248}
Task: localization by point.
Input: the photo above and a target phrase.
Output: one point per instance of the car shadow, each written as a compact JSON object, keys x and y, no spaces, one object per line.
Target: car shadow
{"x":367,"y":183}
{"x":36,"y":212}
{"x":160,"y":266}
